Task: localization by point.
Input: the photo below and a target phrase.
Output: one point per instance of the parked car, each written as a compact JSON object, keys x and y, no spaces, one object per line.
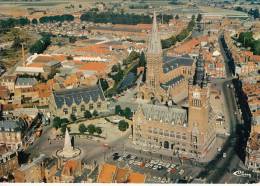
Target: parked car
{"x":181,"y":172}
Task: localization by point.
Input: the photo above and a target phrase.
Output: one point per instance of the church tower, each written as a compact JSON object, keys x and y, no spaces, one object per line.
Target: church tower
{"x":202,"y":131}
{"x":154,"y":58}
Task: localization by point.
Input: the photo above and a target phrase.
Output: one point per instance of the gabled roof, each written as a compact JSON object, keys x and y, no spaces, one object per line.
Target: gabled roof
{"x":171,"y":63}
{"x":78,"y":95}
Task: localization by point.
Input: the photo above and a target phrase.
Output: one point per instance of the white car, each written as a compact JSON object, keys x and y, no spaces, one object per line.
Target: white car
{"x":155,"y":167}
{"x":168,"y":165}
{"x":131,"y":162}
{"x":147,"y":165}
{"x":120,"y":159}
{"x":173,"y":166}
{"x":181,"y":172}
{"x":224,"y":155}
{"x":169,"y":169}
{"x":151,"y":165}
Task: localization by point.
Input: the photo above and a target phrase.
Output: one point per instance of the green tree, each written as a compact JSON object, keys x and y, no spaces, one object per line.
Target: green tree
{"x":142,"y":60}
{"x":177,"y":16}
{"x":95,"y":113}
{"x":80,"y":6}
{"x":82,"y":128}
{"x":199,"y":18}
{"x":73,"y":117}
{"x":57,"y":122}
{"x":91,"y":129}
{"x":17,"y":43}
{"x":98,"y":130}
{"x":63,"y":129}
{"x":128,"y":113}
{"x":34,"y":21}
{"x":256,"y":47}
{"x":87,"y":114}
{"x":118,"y":109}
{"x":115,"y":68}
{"x":104,"y":84}
{"x":72,"y":39}
{"x":123,"y":125}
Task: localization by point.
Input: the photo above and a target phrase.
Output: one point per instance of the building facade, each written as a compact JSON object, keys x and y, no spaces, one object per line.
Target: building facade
{"x":76,"y":101}
{"x":8,"y":162}
{"x":186,"y":132}
{"x":11,"y":133}
{"x":253,"y":149}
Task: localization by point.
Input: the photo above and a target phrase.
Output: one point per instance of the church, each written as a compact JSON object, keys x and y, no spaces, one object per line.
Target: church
{"x":166,"y":77}
{"x":187,"y":132}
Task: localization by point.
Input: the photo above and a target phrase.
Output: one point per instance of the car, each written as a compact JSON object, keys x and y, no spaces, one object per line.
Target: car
{"x":151,"y":166}
{"x":224,"y":155}
{"x":116,"y":158}
{"x":120,"y":159}
{"x":152,"y":161}
{"x":147,"y":165}
{"x":128,"y":156}
{"x":173,"y":170}
{"x":169,"y":170}
{"x":168,"y":165}
{"x":160,"y":168}
{"x":156,"y":161}
{"x":173,"y":166}
{"x":131,"y":162}
{"x":115,"y":154}
{"x":124,"y":156}
{"x":181,"y":172}
{"x":133,"y":157}
{"x":155,"y":167}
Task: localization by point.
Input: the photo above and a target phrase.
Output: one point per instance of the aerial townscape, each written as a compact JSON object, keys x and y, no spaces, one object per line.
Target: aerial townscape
{"x":130,"y":91}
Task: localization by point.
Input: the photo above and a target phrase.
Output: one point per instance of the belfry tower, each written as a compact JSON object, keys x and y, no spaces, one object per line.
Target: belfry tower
{"x":154,"y":58}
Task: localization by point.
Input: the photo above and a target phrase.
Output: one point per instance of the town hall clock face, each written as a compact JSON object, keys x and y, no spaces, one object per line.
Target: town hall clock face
{"x":196,"y":95}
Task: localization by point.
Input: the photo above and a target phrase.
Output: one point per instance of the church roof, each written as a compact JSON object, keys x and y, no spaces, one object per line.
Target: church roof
{"x":172,"y":82}
{"x":154,"y":43}
{"x":171,"y":63}
{"x":172,"y":115}
{"x":78,"y":95}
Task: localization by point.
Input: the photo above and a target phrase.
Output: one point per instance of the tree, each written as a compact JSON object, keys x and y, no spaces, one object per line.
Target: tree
{"x":118,"y":109}
{"x":91,"y":129}
{"x":80,"y":6}
{"x":199,"y":18}
{"x":123,"y":125}
{"x":57,"y":122}
{"x":73,"y":117}
{"x":177,"y":16}
{"x":95,"y":113}
{"x":128,"y":113}
{"x":72,"y":39}
{"x":63,"y":129}
{"x":82,"y":128}
{"x":104,"y":84}
{"x":115,"y":68}
{"x":98,"y":130}
{"x":34,"y":21}
{"x":87,"y":114}
{"x":17,"y":43}
{"x":142,"y":60}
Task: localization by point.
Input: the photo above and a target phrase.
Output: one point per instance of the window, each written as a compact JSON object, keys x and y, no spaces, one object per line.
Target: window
{"x":155,"y":131}
{"x":91,"y":106}
{"x":99,"y":105}
{"x":74,"y":110}
{"x":82,"y":108}
{"x":150,"y":130}
{"x":65,"y":110}
{"x":161,"y":132}
{"x":172,"y":134}
{"x":166,"y":133}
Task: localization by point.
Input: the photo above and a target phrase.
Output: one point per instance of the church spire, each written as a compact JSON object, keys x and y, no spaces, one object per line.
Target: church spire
{"x":154,"y":43}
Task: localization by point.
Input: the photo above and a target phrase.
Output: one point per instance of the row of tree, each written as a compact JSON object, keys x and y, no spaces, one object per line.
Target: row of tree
{"x":253,"y":12}
{"x":247,"y":40}
{"x":12,"y":22}
{"x":91,"y":129}
{"x":40,"y":45}
{"x":56,"y":18}
{"x":120,"y":18}
{"x":127,"y":113}
{"x":167,"y":43}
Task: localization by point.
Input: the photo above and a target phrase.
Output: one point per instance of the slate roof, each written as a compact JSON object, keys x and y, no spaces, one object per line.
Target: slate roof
{"x":171,"y":63}
{"x":78,"y":95}
{"x":26,"y":81}
{"x":166,"y":85}
{"x":12,"y":125}
{"x":172,"y":115}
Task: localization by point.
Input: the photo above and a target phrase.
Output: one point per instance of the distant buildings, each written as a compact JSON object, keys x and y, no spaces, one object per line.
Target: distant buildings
{"x":76,"y":101}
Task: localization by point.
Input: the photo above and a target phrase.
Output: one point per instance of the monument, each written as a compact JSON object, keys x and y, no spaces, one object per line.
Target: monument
{"x":68,"y":150}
